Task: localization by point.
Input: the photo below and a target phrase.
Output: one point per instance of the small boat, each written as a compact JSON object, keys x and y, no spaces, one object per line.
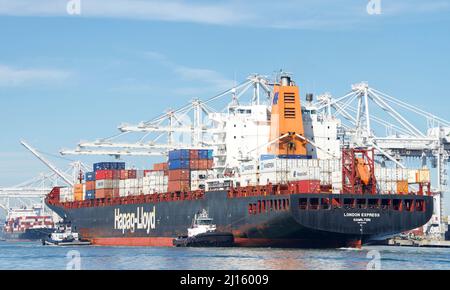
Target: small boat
{"x":203,"y":233}
{"x":64,"y":236}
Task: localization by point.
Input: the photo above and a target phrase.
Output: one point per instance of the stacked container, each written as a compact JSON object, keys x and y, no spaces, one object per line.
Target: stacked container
{"x":90,"y":185}
{"x":128,"y":182}
{"x":182,"y":163}
{"x":78,"y":192}
{"x":107,"y":176}
{"x":154,"y":181}
{"x":66,"y":194}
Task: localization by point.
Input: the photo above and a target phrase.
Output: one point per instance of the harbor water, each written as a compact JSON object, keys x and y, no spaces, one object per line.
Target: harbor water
{"x":32,"y":255}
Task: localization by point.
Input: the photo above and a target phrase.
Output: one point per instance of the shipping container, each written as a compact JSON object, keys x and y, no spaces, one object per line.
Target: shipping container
{"x":179,"y":185}
{"x":179,"y":174}
{"x":203,"y":154}
{"x":90,"y":194}
{"x":90,"y":185}
{"x":109,"y":166}
{"x":179,"y":154}
{"x":178,"y":164}
{"x":160,"y":166}
{"x":104,"y":183}
{"x":104,"y":193}
{"x":402,"y":187}
{"x":104,"y":174}
{"x":90,"y":176}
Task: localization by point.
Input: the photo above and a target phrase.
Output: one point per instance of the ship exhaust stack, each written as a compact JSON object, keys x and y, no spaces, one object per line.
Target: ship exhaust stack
{"x":286,"y":119}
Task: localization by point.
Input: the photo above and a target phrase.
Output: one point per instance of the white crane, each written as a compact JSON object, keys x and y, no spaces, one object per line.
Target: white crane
{"x":367,"y":112}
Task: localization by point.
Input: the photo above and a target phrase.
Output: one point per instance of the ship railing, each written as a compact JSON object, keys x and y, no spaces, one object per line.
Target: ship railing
{"x":133,"y":199}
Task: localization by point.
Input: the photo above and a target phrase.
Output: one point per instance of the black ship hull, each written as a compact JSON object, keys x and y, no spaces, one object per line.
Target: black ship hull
{"x":291,"y":220}
{"x":28,"y":234}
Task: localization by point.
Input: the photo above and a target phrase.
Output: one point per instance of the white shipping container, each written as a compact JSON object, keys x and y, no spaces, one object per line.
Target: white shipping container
{"x":104,"y":183}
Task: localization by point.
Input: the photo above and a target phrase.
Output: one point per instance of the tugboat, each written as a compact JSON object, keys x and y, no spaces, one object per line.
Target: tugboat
{"x":64,"y":236}
{"x":203,"y":233}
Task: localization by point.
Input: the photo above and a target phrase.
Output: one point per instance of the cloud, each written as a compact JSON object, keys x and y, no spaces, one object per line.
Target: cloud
{"x":211,"y":77}
{"x":193,"y":74}
{"x":288,"y":14}
{"x":12,"y":76}
{"x":178,"y":11}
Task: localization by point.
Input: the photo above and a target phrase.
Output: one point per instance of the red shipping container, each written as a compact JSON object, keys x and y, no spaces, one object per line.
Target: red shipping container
{"x":123,"y":174}
{"x":193,"y":154}
{"x":178,"y":185}
{"x":203,"y":164}
{"x":179,"y":174}
{"x":210,"y":164}
{"x":90,"y":185}
{"x":132,"y":174}
{"x":116,"y":174}
{"x":115,"y":192}
{"x":103,"y":193}
{"x":308,"y":186}
{"x":160,"y":166}
{"x":103,"y":174}
{"x":194,"y":164}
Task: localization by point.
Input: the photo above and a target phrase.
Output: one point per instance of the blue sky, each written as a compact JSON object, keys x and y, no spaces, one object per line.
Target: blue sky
{"x":66,"y":78}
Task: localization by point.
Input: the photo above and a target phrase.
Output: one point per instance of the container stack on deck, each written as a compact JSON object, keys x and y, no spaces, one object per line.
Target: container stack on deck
{"x":188,"y":169}
{"x":156,"y":180}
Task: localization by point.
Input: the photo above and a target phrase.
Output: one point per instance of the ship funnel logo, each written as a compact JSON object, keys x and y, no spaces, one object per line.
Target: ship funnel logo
{"x":139,"y":220}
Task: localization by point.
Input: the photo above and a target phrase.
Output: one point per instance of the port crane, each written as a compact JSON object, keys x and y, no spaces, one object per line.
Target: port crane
{"x":368,"y":111}
{"x":371,"y":118}
{"x":28,"y":192}
{"x":186,"y":127}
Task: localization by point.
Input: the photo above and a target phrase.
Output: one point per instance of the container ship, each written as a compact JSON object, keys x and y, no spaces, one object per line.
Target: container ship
{"x":27,"y":224}
{"x":276,"y":175}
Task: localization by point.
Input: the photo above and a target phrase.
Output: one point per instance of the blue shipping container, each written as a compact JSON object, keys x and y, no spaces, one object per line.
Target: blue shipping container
{"x":90,"y":194}
{"x":109,"y":166}
{"x":203,"y":154}
{"x":90,"y":176}
{"x":210,"y":154}
{"x":179,"y":154}
{"x":178,"y":164}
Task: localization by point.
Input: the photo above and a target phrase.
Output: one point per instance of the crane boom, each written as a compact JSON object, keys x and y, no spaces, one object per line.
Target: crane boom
{"x":47,"y":163}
